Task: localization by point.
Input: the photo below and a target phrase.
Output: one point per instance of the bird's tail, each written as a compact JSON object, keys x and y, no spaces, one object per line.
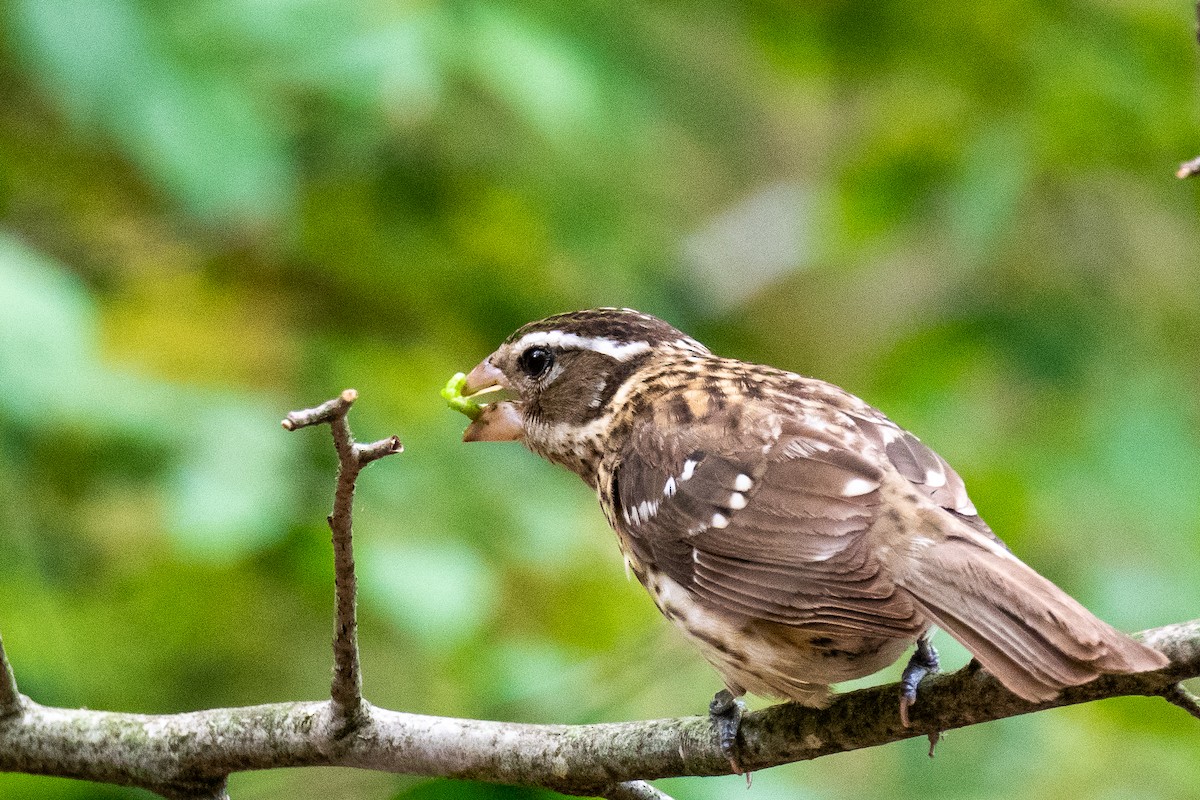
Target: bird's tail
{"x":1023,"y":629}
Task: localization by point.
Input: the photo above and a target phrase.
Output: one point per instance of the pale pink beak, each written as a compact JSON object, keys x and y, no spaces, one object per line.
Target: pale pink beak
{"x":485,"y":376}
{"x":497,"y":422}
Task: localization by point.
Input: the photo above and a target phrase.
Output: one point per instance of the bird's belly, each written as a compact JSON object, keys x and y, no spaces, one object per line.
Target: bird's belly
{"x":769,"y":658}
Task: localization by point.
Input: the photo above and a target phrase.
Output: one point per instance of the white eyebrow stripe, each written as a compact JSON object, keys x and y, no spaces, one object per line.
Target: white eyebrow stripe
{"x":621,"y":351}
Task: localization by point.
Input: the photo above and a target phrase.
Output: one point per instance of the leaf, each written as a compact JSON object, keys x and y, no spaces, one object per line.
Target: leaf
{"x":202,"y":135}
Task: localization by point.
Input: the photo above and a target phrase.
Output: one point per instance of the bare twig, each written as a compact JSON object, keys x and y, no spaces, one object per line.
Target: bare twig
{"x":346,"y":687}
{"x":10,"y":697}
{"x":325,"y":412}
{"x":366,"y":453}
{"x":1191,"y":168}
{"x":1188,"y":169}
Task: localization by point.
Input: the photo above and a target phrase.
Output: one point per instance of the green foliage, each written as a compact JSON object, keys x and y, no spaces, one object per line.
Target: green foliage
{"x":212,"y":213}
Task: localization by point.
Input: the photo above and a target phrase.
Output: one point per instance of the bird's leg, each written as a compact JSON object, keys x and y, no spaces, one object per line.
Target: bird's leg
{"x":923,"y":662}
{"x":725,"y":711}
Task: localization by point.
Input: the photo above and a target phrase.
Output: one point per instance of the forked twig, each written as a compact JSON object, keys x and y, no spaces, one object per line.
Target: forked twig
{"x":346,"y":688}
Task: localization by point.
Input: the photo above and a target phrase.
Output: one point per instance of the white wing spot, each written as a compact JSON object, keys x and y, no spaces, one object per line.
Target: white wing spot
{"x":737,"y":500}
{"x":935,"y":478}
{"x":669,"y":488}
{"x":689,"y":469}
{"x":646,"y":510}
{"x":720,"y":521}
{"x":743,"y":483}
{"x":856,"y":487}
{"x":628,"y":569}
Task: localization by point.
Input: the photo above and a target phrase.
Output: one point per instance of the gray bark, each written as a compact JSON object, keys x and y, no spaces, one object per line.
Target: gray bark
{"x":189,"y":755}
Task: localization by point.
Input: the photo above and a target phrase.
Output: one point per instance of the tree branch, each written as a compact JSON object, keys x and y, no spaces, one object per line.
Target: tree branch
{"x":1188,"y":169}
{"x":189,"y":756}
{"x":1178,"y":695}
{"x":10,"y":697}
{"x":869,"y":717}
{"x":634,"y":790}
{"x":346,"y":688}
{"x":177,"y":753}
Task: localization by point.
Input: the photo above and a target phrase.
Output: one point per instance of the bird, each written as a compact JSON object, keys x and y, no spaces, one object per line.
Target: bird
{"x":796,"y":535}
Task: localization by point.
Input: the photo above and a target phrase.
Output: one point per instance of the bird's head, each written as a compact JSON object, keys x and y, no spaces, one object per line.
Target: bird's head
{"x":561,"y":375}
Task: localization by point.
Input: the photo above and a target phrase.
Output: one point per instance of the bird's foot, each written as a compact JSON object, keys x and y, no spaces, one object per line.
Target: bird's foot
{"x":725,"y":711}
{"x":923,"y":662}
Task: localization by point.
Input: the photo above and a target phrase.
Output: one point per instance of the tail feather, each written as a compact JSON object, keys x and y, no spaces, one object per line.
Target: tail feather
{"x":1034,"y":637}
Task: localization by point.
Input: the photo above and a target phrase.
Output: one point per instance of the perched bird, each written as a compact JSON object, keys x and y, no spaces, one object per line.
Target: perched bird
{"x":796,"y":535}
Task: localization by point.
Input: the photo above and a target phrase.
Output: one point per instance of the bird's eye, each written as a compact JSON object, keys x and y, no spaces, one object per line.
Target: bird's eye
{"x":536,"y":361}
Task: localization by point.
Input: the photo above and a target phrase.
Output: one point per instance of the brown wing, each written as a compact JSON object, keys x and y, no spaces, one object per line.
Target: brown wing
{"x":772,"y":529}
{"x":776,"y":529}
{"x":923,"y":468}
{"x":1026,"y":631}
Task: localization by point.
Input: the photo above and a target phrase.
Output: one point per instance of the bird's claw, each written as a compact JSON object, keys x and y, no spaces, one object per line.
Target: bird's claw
{"x":923,"y":662}
{"x":907,"y":699}
{"x":725,"y":711}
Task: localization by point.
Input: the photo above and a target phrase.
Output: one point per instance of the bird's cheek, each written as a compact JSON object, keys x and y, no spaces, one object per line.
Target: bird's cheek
{"x":497,"y":422}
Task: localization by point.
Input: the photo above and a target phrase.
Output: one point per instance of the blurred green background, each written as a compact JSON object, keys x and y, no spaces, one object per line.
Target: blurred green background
{"x":214,"y":212}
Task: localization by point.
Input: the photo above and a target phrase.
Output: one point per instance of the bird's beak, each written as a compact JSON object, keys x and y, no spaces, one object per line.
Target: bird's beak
{"x":499,"y":421}
{"x":484,"y":378}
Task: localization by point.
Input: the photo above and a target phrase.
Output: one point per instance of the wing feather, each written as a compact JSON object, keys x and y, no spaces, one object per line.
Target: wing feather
{"x":1026,"y":631}
{"x":774,"y":531}
{"x":781,"y":529}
